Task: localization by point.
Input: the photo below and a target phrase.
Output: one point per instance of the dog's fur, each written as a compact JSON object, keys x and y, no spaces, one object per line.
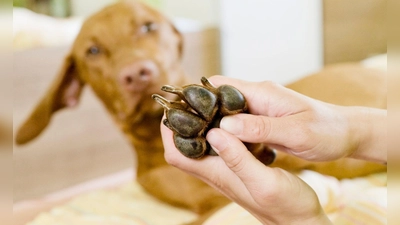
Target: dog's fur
{"x":127,"y":51}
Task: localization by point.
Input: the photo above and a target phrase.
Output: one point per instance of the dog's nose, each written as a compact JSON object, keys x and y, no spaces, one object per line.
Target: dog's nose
{"x":136,"y":76}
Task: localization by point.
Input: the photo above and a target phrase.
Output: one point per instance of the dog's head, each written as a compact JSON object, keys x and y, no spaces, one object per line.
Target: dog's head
{"x":125,"y":53}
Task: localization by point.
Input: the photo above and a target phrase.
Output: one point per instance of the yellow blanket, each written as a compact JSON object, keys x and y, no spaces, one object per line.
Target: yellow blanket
{"x":349,"y":201}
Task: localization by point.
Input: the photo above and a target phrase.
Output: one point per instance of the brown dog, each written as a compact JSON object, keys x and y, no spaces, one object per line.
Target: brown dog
{"x":125,"y":53}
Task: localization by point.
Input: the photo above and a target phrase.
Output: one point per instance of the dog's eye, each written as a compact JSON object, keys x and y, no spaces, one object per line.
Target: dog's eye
{"x":148,"y":27}
{"x":93,"y":50}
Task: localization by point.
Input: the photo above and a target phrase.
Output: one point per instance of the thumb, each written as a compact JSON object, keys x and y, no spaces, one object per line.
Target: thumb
{"x":261,"y":129}
{"x":235,"y":155}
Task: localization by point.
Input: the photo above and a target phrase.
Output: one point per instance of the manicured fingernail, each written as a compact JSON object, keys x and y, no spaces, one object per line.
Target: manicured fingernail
{"x":232,"y":124}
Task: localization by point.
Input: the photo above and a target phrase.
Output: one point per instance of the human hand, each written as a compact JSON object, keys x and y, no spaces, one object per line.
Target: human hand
{"x":286,"y":121}
{"x":307,"y":128}
{"x":272,"y":195}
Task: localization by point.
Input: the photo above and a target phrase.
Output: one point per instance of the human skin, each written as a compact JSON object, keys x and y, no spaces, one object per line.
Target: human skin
{"x":305,"y":127}
{"x":289,"y":122}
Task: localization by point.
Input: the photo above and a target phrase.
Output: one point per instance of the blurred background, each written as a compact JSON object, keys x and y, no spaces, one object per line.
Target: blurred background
{"x":254,"y":40}
{"x":292,"y":38}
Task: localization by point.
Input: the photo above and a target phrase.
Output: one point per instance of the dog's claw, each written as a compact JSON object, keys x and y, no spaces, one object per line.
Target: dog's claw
{"x":175,"y":90}
{"x":171,"y":89}
{"x":166,"y":123}
{"x":162,"y":101}
{"x":169,"y":104}
{"x":206,"y":82}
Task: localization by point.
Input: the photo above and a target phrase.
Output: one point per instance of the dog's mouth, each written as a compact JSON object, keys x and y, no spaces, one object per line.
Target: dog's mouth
{"x":136,"y":108}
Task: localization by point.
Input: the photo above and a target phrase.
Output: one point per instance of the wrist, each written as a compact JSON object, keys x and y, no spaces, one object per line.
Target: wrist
{"x":368,"y":130}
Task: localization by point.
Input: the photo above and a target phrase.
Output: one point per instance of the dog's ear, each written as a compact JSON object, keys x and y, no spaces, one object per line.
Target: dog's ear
{"x":63,"y":92}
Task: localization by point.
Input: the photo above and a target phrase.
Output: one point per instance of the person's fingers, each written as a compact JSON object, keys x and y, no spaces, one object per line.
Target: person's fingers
{"x":266,"y":98}
{"x":236,"y":156}
{"x":224,"y":180}
{"x":262,"y":129}
{"x":219,"y":80}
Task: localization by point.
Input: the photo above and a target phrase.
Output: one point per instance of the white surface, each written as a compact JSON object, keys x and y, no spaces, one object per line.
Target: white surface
{"x":205,"y":11}
{"x":271,"y":40}
{"x":185,"y":25}
{"x":87,"y":7}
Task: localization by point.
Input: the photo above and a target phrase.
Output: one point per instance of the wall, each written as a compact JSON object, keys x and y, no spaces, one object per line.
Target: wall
{"x":261,"y":39}
{"x":204,"y":11}
{"x":271,"y":40}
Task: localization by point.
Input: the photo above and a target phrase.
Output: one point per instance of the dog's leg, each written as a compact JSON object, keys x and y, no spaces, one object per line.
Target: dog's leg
{"x":177,"y":188}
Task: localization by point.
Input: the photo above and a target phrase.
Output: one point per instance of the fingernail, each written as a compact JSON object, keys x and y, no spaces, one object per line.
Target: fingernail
{"x":216,"y":140}
{"x":232,"y":124}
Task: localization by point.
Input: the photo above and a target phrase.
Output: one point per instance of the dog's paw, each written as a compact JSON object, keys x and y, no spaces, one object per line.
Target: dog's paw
{"x":202,"y":109}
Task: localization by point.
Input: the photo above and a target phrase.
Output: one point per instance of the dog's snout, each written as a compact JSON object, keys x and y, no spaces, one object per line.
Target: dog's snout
{"x":136,"y":76}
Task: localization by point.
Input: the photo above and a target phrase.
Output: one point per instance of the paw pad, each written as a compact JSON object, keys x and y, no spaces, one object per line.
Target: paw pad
{"x":202,"y":109}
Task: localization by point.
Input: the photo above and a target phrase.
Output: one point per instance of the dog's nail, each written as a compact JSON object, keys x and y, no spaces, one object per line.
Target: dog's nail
{"x":206,"y":82}
{"x":171,"y":89}
{"x":166,"y":123}
{"x":166,"y":88}
{"x":154,"y":96}
{"x":161,"y":100}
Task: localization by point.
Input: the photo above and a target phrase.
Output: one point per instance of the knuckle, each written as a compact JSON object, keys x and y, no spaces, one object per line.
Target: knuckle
{"x":261,"y":129}
{"x":236,"y":163}
{"x":268,"y":83}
